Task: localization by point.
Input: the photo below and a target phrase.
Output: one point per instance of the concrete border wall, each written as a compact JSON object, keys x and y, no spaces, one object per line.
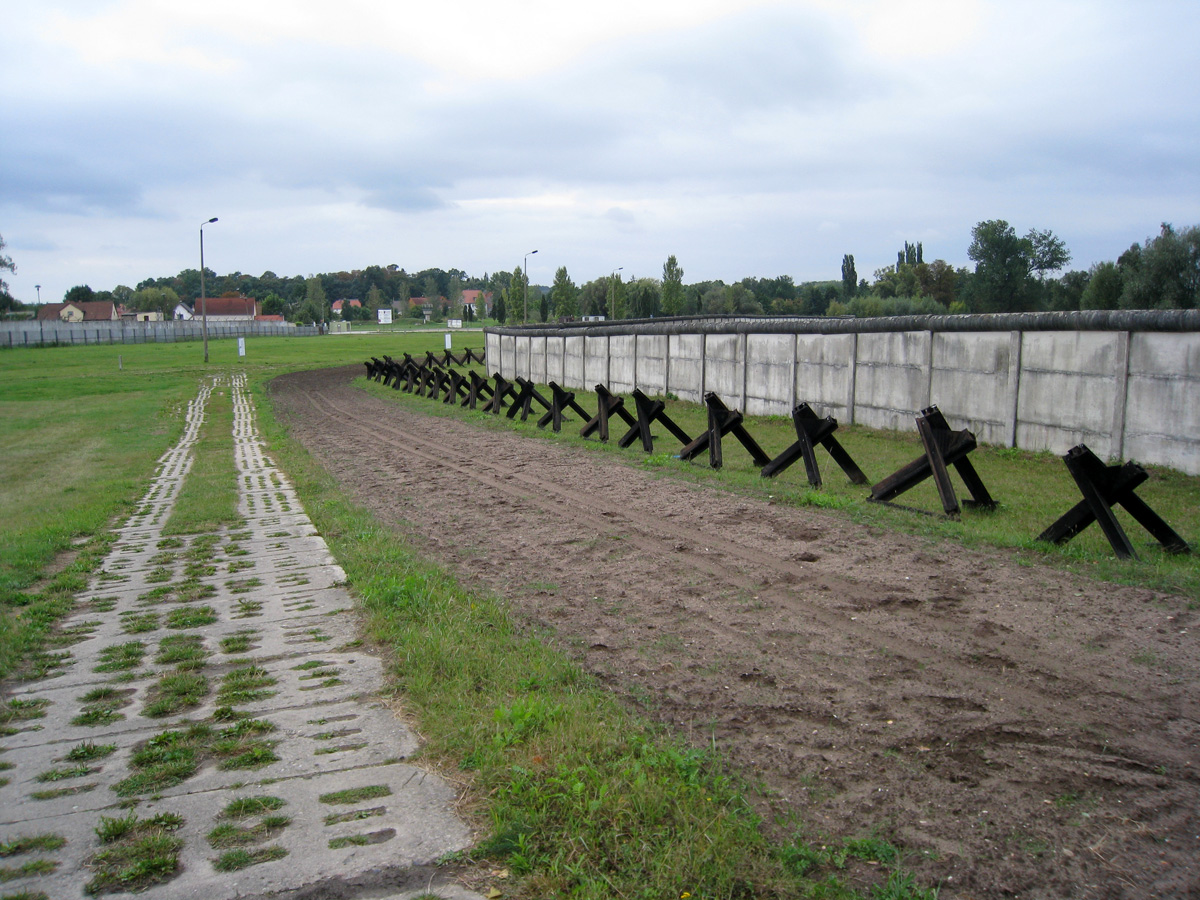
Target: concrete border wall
{"x":40,"y":333}
{"x":1126,"y":383}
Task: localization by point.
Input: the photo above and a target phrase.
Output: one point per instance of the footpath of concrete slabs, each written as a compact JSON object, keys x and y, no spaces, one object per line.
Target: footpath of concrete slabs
{"x":298,"y":784}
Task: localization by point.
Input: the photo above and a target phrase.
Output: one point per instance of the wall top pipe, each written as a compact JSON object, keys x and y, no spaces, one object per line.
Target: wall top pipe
{"x":1081,"y":320}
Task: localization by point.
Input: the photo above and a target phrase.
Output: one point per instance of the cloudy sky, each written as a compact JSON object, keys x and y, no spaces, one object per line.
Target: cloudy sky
{"x":747,"y":137}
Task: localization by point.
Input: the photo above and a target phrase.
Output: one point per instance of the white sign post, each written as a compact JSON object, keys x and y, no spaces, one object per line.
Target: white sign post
{"x":447,"y":340}
{"x":241,"y":346}
{"x":385,"y":316}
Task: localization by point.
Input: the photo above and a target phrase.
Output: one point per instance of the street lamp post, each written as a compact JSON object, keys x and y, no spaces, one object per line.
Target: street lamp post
{"x":612,"y":306}
{"x":527,"y":255}
{"x":203,"y":300}
{"x":38,"y":287}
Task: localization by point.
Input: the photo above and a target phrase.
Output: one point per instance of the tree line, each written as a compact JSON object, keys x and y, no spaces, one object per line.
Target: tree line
{"x":1012,"y":273}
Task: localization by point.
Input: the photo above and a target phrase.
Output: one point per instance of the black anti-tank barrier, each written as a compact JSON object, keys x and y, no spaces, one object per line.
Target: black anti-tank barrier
{"x":1102,"y":486}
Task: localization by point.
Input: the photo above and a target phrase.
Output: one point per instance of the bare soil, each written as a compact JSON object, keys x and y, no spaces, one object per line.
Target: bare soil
{"x":1018,"y":730}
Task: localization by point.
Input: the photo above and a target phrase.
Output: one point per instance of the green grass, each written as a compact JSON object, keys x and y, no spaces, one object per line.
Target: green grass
{"x":251,"y":806}
{"x":37,"y":843}
{"x":175,"y":693}
{"x":136,"y":853}
{"x":121,"y":657}
{"x":233,"y":860}
{"x":184,"y":651}
{"x":30,"y":869}
{"x":240,"y":641}
{"x":356,"y":795}
{"x":191,"y":617}
{"x":88,"y":751}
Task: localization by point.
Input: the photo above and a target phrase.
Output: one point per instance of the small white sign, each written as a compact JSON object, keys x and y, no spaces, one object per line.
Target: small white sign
{"x":241,"y":346}
{"x":385,"y":316}
{"x":454,"y":323}
{"x":447,"y":340}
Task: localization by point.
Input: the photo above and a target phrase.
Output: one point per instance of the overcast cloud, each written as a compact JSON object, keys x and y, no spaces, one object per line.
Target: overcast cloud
{"x":747,"y":138}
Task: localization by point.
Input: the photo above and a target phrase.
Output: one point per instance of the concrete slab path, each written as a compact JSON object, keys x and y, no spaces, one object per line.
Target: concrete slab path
{"x":218,"y":703}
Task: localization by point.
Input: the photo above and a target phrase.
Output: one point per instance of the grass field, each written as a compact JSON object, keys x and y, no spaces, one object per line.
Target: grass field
{"x":559,"y":768}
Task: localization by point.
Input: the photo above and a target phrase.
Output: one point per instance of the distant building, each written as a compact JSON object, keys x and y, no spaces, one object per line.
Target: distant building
{"x":478,"y":301}
{"x":339,"y":305}
{"x":230,"y":309}
{"x":139,"y":315}
{"x":183,"y":312}
{"x":82,"y":311}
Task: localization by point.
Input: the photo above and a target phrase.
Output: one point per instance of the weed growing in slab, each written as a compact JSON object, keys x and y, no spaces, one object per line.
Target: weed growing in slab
{"x":245,"y":685}
{"x":354,"y":816}
{"x":18,"y":710}
{"x":38,"y":843}
{"x":243,"y":807}
{"x":233,"y":860}
{"x":240,"y":641}
{"x":175,"y":693}
{"x":184,"y":651}
{"x":121,"y":657}
{"x":229,"y":835}
{"x":189,"y":617}
{"x":138,"y":623}
{"x":29,"y":869}
{"x":45,"y":664}
{"x":88,"y":751}
{"x":243,"y":585}
{"x":356,"y":795}
{"x":55,"y":793}
{"x":137,"y":853}
{"x":65,"y":772}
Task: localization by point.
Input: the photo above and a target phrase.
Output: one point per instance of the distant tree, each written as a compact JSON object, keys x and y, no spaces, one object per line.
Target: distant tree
{"x":642,"y":298}
{"x":1005,"y":265}
{"x":81,"y":293}
{"x":1165,"y":273}
{"x":564,"y":296}
{"x":849,"y":276}
{"x":616,"y":297}
{"x":1048,"y":252}
{"x":593,"y":297}
{"x":6,"y":265}
{"x":500,"y":308}
{"x":454,"y":292}
{"x":1104,"y":288}
{"x":375,"y":302}
{"x":938,"y":280}
{"x":672,"y":287}
{"x":273,"y":305}
{"x":156,"y":299}
{"x":315,"y":299}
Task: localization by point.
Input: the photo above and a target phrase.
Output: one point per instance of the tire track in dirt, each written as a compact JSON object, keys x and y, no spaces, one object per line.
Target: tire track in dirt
{"x":659,"y":538}
{"x":974,"y":705}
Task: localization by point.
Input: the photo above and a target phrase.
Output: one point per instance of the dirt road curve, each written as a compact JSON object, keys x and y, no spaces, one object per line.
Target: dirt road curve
{"x":1020,"y":732}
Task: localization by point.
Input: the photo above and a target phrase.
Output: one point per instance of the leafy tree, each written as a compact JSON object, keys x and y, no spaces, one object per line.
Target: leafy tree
{"x":672,"y":287}
{"x":273,"y":305}
{"x":1104,"y":288}
{"x":642,"y":298}
{"x":1002,"y":265}
{"x":1165,"y":274}
{"x":593,"y":297}
{"x":375,"y":301}
{"x":81,"y":293}
{"x":315,"y":301}
{"x":156,"y":299}
{"x":564,"y":295}
{"x":1049,"y":253}
{"x":938,"y":280}
{"x":500,"y":308}
{"x":849,"y":276}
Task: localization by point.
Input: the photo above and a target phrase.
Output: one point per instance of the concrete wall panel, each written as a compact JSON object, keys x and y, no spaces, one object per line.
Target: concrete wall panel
{"x":891,"y":383}
{"x":537,"y":360}
{"x":508,"y":356}
{"x":686,"y":375}
{"x":1162,"y":407}
{"x":595,"y":362}
{"x":573,"y":362}
{"x":770,"y":359}
{"x":652,"y":363}
{"x":622,"y":363}
{"x":824,"y":364}
{"x":492,"y":353}
{"x":1070,"y":382}
{"x":973,"y":382}
{"x":554,"y":360}
{"x":724,"y":368}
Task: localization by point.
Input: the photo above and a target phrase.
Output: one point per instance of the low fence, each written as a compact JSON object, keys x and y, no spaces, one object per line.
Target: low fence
{"x":42,"y":333}
{"x":1126,"y":383}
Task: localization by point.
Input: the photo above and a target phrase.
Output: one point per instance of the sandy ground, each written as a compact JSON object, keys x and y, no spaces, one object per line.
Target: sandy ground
{"x":1019,"y":731}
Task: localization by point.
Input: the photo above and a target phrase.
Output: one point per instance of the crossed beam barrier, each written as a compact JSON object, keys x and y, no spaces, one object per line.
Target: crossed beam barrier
{"x":1103,"y":487}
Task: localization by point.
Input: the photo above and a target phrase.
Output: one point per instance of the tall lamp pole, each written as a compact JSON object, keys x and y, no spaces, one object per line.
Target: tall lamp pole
{"x":527,"y":255}
{"x":203,"y":300}
{"x":39,"y":290}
